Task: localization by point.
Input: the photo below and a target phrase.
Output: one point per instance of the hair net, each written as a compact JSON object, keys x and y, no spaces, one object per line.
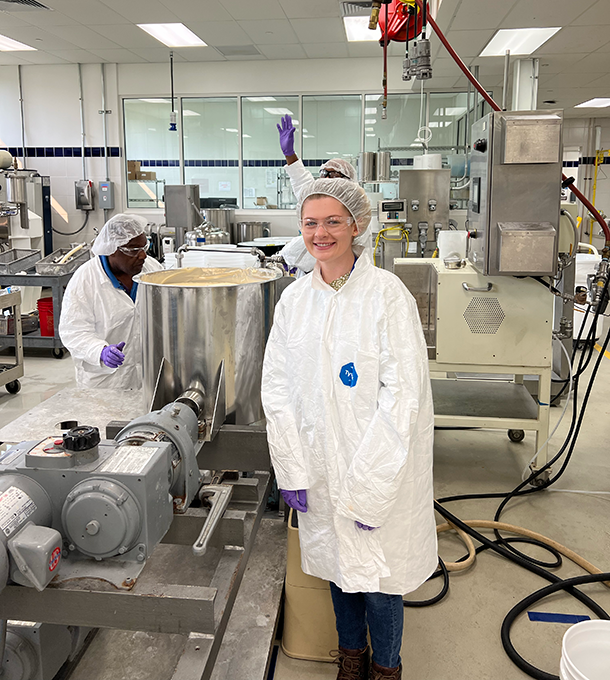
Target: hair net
{"x":350,"y":194}
{"x":118,"y":231}
{"x":342,"y":166}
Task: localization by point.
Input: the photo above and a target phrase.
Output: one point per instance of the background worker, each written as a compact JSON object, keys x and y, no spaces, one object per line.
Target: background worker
{"x":350,"y":426}
{"x":100,"y":321}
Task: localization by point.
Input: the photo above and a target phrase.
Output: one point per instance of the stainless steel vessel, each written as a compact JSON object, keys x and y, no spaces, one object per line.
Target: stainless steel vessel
{"x":383,"y":163}
{"x":366,"y":166}
{"x":248,"y":231}
{"x":221,"y":218}
{"x":195,"y":328}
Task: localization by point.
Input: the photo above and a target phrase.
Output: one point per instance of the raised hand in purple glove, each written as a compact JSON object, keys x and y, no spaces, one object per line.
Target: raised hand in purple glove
{"x":365,"y":527}
{"x":286,"y":131}
{"x":297,"y":500}
{"x":112,"y":356}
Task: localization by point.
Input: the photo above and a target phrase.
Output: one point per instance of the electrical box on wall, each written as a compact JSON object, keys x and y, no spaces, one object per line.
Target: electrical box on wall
{"x":83,"y":190}
{"x":106,"y":195}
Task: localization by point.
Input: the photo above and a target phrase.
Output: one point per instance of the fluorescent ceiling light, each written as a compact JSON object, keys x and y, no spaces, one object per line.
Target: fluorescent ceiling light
{"x":455,"y":110}
{"x":10,"y":45}
{"x":369,"y":129}
{"x":309,"y":136}
{"x":304,"y":130}
{"x":370,"y":121}
{"x":247,"y":136}
{"x":518,"y":41}
{"x":357,"y":30}
{"x":371,"y":111}
{"x":295,"y":122}
{"x":230,"y":130}
{"x":173,"y":35}
{"x":279,"y":112}
{"x":261,"y":99}
{"x":369,"y":135}
{"x":596,"y":103}
{"x":188,"y":112}
{"x":156,"y":101}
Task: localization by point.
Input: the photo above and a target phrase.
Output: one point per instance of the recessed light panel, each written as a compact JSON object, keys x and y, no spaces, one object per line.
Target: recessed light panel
{"x":519,"y":41}
{"x":10,"y":45}
{"x":597,"y":103}
{"x":357,"y":30}
{"x":173,"y":35}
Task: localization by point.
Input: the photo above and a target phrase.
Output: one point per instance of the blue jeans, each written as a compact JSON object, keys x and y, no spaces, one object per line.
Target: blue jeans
{"x":384,"y":616}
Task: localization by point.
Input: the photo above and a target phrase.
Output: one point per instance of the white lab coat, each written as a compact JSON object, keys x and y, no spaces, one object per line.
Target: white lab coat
{"x":95,"y":314}
{"x":295,"y":252}
{"x":363,"y":452}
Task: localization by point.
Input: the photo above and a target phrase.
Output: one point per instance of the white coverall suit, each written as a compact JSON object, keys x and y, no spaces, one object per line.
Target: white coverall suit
{"x":295,"y":253}
{"x":95,"y":314}
{"x":347,"y":396}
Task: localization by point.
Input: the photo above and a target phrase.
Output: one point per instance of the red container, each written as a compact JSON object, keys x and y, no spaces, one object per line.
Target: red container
{"x":45,"y":313}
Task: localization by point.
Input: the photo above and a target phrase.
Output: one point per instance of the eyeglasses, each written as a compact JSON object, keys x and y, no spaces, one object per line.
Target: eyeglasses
{"x":331,"y":224}
{"x":134,"y":252}
{"x":332,"y":174}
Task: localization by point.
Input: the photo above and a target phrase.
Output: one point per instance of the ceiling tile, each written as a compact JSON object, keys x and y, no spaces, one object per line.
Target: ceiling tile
{"x":444,"y":67}
{"x":597,"y":15}
{"x":364,"y":49}
{"x":246,"y":10}
{"x":44,"y":18}
{"x":128,"y":36}
{"x":199,"y":54}
{"x":561,"y":63}
{"x":83,"y":37}
{"x":9,"y":58}
{"x":477,"y":14}
{"x":39,"y":38}
{"x":274,"y":32}
{"x":8,"y":20}
{"x":77,"y":56}
{"x":489,"y":66}
{"x":528,"y":14}
{"x":87,"y":12}
{"x":45,"y":58}
{"x":469,"y":43}
{"x":326,"y":51}
{"x":297,"y":9}
{"x":219,"y":32}
{"x":576,"y":39}
{"x":118,"y":56}
{"x":157,"y":55}
{"x":142,"y":11}
{"x":603,"y":83}
{"x":584,"y":78}
{"x":283,"y":51}
{"x":319,"y":30}
{"x":195,"y":10}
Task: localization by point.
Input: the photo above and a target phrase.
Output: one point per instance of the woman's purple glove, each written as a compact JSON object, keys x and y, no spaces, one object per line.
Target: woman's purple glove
{"x":112,"y":356}
{"x":297,"y":500}
{"x":365,"y":527}
{"x":286,"y":136}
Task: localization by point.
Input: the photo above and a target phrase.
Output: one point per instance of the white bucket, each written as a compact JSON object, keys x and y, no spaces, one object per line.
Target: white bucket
{"x":428,"y":161}
{"x":451,"y":242}
{"x":585,"y":651}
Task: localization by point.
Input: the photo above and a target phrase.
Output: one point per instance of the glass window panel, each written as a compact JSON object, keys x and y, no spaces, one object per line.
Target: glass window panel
{"x":399,"y":130}
{"x":149,"y":142}
{"x":331,"y":128}
{"x":263,"y":178}
{"x":211,"y":147}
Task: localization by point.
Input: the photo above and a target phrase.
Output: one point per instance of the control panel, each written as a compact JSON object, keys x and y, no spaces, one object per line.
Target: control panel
{"x":392,"y":211}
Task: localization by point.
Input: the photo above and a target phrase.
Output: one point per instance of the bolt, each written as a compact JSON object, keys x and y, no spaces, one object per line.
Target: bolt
{"x":71,"y":546}
{"x":93,"y":527}
{"x":197,"y":648}
{"x":140,"y":557}
{"x":128,"y":581}
{"x":122,"y":550}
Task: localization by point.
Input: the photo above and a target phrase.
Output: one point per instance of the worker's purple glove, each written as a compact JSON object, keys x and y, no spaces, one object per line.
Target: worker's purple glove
{"x":297,"y":500}
{"x":112,"y":356}
{"x":365,"y":527}
{"x":286,"y":131}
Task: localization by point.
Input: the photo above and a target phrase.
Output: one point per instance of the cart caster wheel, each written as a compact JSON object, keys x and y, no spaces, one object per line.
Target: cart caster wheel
{"x":58,"y":353}
{"x":516,"y":435}
{"x":13,"y":387}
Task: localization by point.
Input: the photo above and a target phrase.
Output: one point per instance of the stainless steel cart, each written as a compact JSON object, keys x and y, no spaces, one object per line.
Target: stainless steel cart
{"x":10,"y":373}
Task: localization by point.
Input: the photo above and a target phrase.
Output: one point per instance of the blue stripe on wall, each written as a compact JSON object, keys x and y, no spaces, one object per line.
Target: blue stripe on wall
{"x":64,"y":151}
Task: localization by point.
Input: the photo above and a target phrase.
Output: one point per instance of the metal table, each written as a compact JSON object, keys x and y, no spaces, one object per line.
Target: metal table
{"x":57,"y":284}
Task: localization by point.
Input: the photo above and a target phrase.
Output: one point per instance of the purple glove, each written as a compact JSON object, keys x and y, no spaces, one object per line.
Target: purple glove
{"x":112,"y":356}
{"x":365,"y":527}
{"x":297,"y":500}
{"x":286,"y":136}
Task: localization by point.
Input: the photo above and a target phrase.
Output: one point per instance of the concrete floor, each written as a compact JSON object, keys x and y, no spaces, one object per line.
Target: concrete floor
{"x":459,"y":638}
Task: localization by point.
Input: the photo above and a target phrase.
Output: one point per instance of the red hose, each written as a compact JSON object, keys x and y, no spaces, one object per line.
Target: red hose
{"x":579,"y":195}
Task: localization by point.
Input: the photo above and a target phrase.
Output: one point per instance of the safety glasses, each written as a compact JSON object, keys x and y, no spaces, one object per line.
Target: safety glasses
{"x":134,"y":252}
{"x":331,"y":224}
{"x":332,"y":174}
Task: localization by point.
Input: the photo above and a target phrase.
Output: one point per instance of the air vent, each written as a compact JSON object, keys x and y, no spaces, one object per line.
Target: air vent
{"x":238,"y":51}
{"x":484,"y":315}
{"x":356,"y":8}
{"x":19,"y":5}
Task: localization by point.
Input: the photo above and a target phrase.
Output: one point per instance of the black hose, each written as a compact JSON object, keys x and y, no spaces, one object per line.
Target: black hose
{"x":73,"y":233}
{"x":436,"y":598}
{"x":568,"y":585}
{"x":424,"y":18}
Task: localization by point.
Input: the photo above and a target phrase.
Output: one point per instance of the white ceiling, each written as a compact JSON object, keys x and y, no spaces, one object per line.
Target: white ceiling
{"x":574,"y":63}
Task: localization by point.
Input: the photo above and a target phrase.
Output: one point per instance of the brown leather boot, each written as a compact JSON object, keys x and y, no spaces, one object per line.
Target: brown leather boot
{"x":382,"y":673}
{"x":353,"y":663}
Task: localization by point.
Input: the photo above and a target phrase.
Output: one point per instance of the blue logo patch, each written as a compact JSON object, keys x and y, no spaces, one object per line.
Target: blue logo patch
{"x":348,"y":375}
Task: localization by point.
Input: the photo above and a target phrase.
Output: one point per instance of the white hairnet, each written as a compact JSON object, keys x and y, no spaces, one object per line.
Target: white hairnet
{"x":350,"y":194}
{"x":342,"y":166}
{"x":118,"y":231}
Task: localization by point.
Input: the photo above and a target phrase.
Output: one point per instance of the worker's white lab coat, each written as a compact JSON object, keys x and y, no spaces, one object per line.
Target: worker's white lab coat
{"x":362,"y":452}
{"x":295,"y":252}
{"x":95,"y":314}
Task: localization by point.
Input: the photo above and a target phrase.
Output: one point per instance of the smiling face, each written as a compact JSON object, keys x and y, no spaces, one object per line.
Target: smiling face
{"x":129,"y":263}
{"x":328,"y":231}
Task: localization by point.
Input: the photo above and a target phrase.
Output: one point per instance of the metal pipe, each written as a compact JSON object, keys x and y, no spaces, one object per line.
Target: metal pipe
{"x":505,"y":85}
{"x":467,"y":135}
{"x":104,"y":125}
{"x":22,"y":115}
{"x":82,"y":118}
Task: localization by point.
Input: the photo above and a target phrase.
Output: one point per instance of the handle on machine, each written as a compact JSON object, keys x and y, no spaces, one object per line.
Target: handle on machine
{"x":473,"y":289}
{"x":221,"y":495}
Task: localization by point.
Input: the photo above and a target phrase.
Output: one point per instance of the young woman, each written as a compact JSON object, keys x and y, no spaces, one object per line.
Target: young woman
{"x":350,"y":425}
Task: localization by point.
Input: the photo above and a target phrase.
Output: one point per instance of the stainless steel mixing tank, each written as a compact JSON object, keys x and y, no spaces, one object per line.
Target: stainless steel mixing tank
{"x":195,"y":322}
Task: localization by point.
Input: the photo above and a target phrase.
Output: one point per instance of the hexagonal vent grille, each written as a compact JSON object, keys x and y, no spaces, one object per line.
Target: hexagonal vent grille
{"x":484,"y":315}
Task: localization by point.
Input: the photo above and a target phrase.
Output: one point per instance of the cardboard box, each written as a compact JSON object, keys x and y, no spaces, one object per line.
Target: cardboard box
{"x":261,"y":200}
{"x":133,"y":168}
{"x":146,"y":175}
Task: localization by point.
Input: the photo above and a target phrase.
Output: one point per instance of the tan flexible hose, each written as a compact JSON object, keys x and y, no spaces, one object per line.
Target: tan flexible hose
{"x":74,"y":250}
{"x":513,"y":529}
